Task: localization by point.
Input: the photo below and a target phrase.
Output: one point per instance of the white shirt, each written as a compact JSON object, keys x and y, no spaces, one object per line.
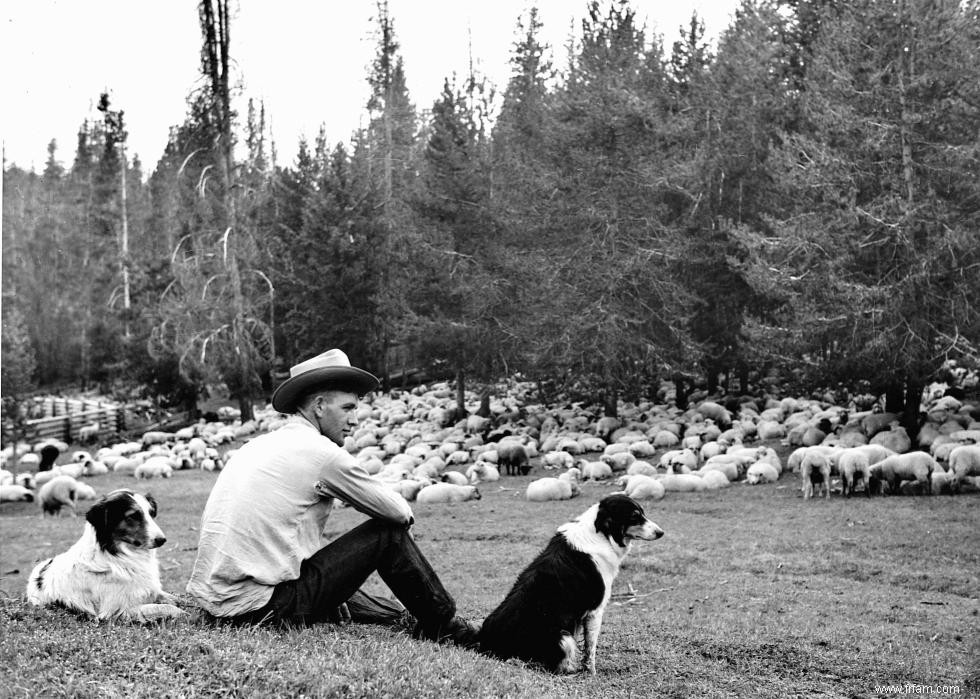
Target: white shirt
{"x":267,"y":512}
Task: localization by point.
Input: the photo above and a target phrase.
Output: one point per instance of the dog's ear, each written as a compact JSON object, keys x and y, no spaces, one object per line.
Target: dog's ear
{"x":153,"y":504}
{"x":98,"y":517}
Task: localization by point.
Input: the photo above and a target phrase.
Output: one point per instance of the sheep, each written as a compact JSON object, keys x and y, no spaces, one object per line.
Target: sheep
{"x":30,"y":462}
{"x":591,"y":444}
{"x":10,"y":492}
{"x":665,"y":439}
{"x":558,"y":459}
{"x":854,"y":465}
{"x":481,"y":472}
{"x":767,"y":430}
{"x":618,"y":462}
{"x":815,"y":469}
{"x":761,"y":472}
{"x":545,"y":489}
{"x":916,"y":466}
{"x":49,"y":454}
{"x":641,"y":467}
{"x":595,"y":470}
{"x":727,"y":468}
{"x":679,"y":461}
{"x":125,"y":465}
{"x":88,"y":433}
{"x":447,"y":493}
{"x":896,"y":439}
{"x":6,"y":477}
{"x":964,"y":461}
{"x":156,"y":466}
{"x":714,"y":479}
{"x":512,"y":456}
{"x":682,"y":482}
{"x":455,"y":477}
{"x":640,"y":487}
{"x":60,"y":491}
{"x":26,"y":480}
{"x":85,"y":492}
{"x":94,"y":468}
{"x":642,"y":449}
{"x":408,"y":488}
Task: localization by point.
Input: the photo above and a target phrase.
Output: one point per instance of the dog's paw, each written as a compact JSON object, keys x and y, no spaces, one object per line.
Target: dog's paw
{"x":158,"y":612}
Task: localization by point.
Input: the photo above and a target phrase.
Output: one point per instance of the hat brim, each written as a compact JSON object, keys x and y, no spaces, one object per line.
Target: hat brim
{"x":340,"y":378}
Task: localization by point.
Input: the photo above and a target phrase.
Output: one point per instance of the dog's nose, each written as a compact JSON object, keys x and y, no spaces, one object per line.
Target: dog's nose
{"x":159,"y":541}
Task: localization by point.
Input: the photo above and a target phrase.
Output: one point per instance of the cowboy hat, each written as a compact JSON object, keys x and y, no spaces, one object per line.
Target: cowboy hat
{"x":331,"y":369}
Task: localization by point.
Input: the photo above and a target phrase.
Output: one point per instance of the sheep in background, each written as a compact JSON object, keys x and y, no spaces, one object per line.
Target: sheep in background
{"x":447,"y":493}
{"x":665,"y":439}
{"x":916,"y":466}
{"x":59,"y":492}
{"x":679,"y":461}
{"x":854,"y":465}
{"x":964,"y":461}
{"x":545,"y":489}
{"x":154,"y":467}
{"x":558,"y":459}
{"x":595,"y":470}
{"x":6,"y":477}
{"x":10,"y":492}
{"x":619,"y":461}
{"x":641,"y":467}
{"x":640,"y":487}
{"x":682,"y":483}
{"x":896,"y":439}
{"x":815,"y":469}
{"x":455,"y":477}
{"x":513,"y":458}
{"x":714,"y":479}
{"x":761,"y":472}
{"x":481,"y":472}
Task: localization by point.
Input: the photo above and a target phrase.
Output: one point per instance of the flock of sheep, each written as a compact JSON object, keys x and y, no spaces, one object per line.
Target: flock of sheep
{"x":410,"y":442}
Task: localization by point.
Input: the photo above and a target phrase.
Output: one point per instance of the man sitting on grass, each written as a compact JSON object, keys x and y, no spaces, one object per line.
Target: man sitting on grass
{"x":262,"y":557}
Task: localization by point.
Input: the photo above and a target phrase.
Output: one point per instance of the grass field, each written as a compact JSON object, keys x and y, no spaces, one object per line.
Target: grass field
{"x":751,"y":592}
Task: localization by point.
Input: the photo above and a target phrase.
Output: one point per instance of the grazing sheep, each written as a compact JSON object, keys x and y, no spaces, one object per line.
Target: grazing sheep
{"x":512,"y":457}
{"x":85,"y":492}
{"x":854,"y":465}
{"x":640,"y":487}
{"x":545,"y":489}
{"x":447,"y":493}
{"x":60,"y":491}
{"x":9,"y":492}
{"x":916,"y":466}
{"x":761,"y":472}
{"x":964,"y":461}
{"x":815,"y":470}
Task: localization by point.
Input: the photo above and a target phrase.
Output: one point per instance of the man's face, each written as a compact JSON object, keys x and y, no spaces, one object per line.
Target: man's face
{"x":335,"y":413}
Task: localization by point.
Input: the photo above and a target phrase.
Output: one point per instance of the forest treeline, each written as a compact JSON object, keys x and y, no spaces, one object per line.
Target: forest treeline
{"x":801,"y":199}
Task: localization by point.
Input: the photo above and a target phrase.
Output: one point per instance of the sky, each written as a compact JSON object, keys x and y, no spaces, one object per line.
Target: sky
{"x":306,"y":59}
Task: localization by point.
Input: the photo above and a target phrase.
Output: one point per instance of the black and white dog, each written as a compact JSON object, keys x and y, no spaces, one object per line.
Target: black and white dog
{"x":111,"y":572}
{"x":566,"y":588}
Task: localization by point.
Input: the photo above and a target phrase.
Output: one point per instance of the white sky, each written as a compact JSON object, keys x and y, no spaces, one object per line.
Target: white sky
{"x":307,"y":59}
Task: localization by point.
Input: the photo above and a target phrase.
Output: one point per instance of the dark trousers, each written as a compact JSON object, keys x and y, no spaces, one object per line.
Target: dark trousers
{"x":333,"y":575}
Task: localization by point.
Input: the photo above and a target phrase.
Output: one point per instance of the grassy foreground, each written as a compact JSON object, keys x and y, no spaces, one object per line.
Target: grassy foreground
{"x":751,"y":592}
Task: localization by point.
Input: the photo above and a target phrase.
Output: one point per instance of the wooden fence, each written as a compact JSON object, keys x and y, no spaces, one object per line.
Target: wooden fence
{"x":75,"y":420}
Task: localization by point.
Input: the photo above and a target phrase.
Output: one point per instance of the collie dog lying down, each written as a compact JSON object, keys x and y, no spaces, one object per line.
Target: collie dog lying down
{"x":111,"y":572}
{"x":566,"y":588}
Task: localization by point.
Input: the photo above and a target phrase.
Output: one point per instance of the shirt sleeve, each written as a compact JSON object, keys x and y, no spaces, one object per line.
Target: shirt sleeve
{"x":343,"y":478}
